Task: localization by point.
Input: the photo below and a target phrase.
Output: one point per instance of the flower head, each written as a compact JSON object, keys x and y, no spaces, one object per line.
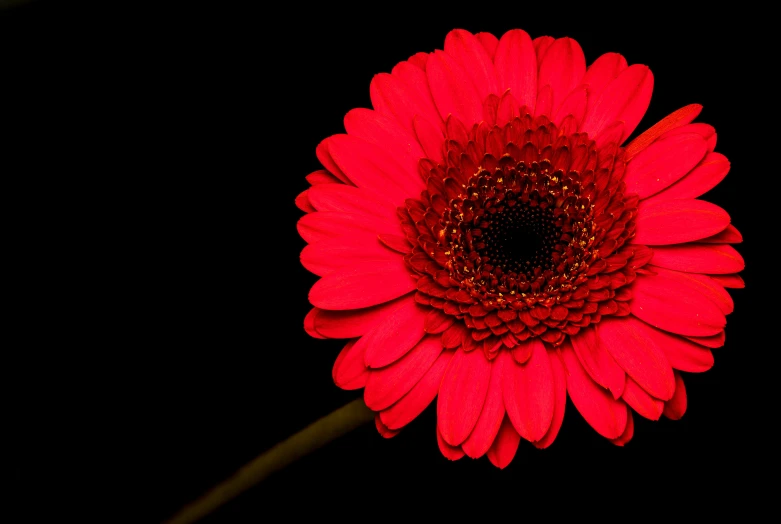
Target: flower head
{"x":485,"y":237}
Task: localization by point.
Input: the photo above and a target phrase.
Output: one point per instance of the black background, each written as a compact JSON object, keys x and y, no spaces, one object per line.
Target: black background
{"x":209,"y":365}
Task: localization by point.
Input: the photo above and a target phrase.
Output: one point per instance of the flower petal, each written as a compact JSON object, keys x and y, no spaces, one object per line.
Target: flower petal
{"x":386,"y":133}
{"x":387,"y":385}
{"x":467,"y":50}
{"x":350,"y":199}
{"x":431,"y":138}
{"x":529,"y":392}
{"x":628,"y":342}
{"x":322,"y":258}
{"x":491,"y":416}
{"x":676,"y":406}
{"x":362,"y":286}
{"x":560,"y":393}
{"x":309,"y":323}
{"x":489,"y":43}
{"x":629,"y":431}
{"x":730,"y":281}
{"x":645,"y":405}
{"x":303,"y":203}
{"x":562,"y":67}
{"x":450,"y":452}
{"x":384,"y":430}
{"x":710,"y":171}
{"x":602,"y":72}
{"x":452,"y":89}
{"x":663,"y":163}
{"x":674,"y":120}
{"x":356,"y":322}
{"x":699,"y":258}
{"x":369,"y":165}
{"x":462,"y":395}
{"x":574,"y":104}
{"x":321,"y":176}
{"x":329,"y":225}
{"x":349,"y":372}
{"x":713,"y":341}
{"x":516,"y":66}
{"x":396,"y":334}
{"x":603,"y":413}
{"x":670,"y":302}
{"x":681,"y":353}
{"x":393,"y":97}
{"x":730,"y":235}
{"x":659,"y":222}
{"x":412,"y":404}
{"x":323,"y":153}
{"x":598,"y":362}
{"x":505,"y":445}
{"x":625,"y":98}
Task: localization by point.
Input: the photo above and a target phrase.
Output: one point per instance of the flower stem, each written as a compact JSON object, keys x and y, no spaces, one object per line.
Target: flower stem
{"x":317,"y":434}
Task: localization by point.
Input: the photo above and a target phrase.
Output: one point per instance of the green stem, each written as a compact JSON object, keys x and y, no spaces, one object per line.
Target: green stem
{"x":321,"y":432}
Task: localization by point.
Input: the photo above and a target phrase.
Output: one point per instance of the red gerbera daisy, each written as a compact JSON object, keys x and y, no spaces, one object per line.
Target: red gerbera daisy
{"x":484,"y":238}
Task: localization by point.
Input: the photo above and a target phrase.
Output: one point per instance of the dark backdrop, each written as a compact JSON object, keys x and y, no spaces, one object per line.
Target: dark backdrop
{"x":210,"y":365}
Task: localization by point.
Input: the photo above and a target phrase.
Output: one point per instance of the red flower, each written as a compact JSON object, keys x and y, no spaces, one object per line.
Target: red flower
{"x":484,"y":238}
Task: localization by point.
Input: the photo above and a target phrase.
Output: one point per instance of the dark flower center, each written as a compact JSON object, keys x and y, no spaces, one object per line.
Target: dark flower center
{"x":520,"y":238}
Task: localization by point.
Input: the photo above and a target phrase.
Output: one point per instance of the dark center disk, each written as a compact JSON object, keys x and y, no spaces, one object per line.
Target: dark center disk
{"x":521,"y":238}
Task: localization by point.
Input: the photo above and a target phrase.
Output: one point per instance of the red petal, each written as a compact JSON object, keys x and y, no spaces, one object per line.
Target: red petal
{"x":349,"y":371}
{"x":625,"y":98}
{"x":329,"y":225}
{"x":712,"y":170}
{"x":699,"y":258}
{"x":674,"y":120}
{"x":386,"y":133}
{"x":629,"y":431}
{"x":490,"y":420}
{"x":362,"y":286}
{"x":713,"y":341}
{"x":415,"y":79}
{"x":354,"y":323}
{"x":730,"y":235}
{"x":324,"y":156}
{"x":628,"y":342}
{"x":452,"y":89}
{"x":489,"y":42}
{"x":505,"y":445}
{"x":575,"y":104}
{"x":562,"y":67}
{"x":663,"y":163}
{"x":450,"y":452}
{"x":303,"y":203}
{"x":596,"y":360}
{"x":541,"y":45}
{"x":529,"y":393}
{"x":516,"y":66}
{"x":676,"y":406}
{"x":387,"y":385}
{"x":321,"y":177}
{"x":370,"y":166}
{"x":645,"y":405}
{"x":322,"y":258}
{"x":397,"y":243}
{"x":560,"y":394}
{"x":672,"y":303}
{"x":350,"y":199}
{"x":462,"y":395}
{"x":705,"y":285}
{"x":681,"y":353}
{"x":408,"y":407}
{"x":544,"y":102}
{"x":730,"y":281}
{"x":309,"y":323}
{"x":603,"y":413}
{"x":394,"y":335}
{"x":393,"y":97}
{"x":431,"y":138}
{"x":602,"y":72}
{"x":383,"y":429}
{"x":659,"y":222}
{"x":466,"y":49}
